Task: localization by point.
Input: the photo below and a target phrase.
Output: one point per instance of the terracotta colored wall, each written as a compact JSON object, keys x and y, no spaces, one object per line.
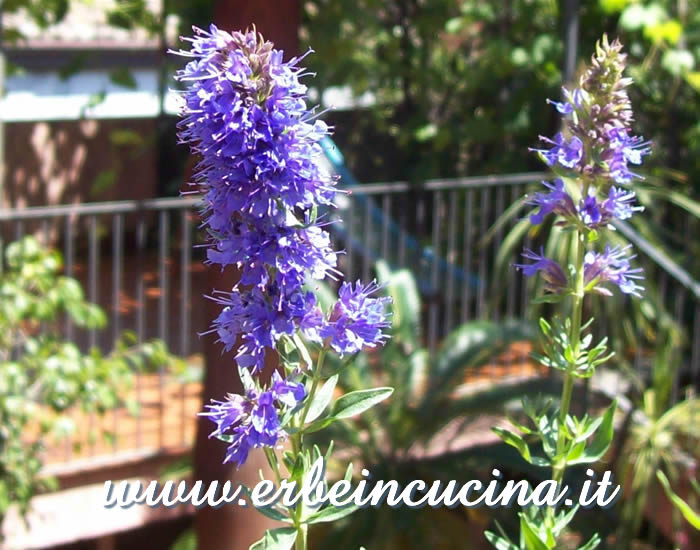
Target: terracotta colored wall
{"x":62,"y":162}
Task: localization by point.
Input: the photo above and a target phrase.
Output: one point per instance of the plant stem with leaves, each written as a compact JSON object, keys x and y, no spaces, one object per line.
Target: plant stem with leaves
{"x":590,"y":158}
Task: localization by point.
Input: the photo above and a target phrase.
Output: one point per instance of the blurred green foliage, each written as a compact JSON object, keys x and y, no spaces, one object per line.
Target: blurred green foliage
{"x":459,"y":86}
{"x":43,"y":376}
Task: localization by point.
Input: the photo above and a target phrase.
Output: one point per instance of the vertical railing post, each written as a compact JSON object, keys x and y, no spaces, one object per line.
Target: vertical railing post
{"x":571,"y":20}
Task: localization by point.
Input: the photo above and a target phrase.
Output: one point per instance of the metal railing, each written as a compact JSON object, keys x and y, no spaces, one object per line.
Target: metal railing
{"x":139,"y":260}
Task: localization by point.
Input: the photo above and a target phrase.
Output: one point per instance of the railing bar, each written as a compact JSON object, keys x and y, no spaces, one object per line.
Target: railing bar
{"x":451,"y":261}
{"x":349,"y":275}
{"x":434,"y":274}
{"x":92,"y":270}
{"x":68,"y":259}
{"x":92,"y":296}
{"x":483,"y":214}
{"x":467,"y":252}
{"x":185,"y":292}
{"x":402,"y":234}
{"x":117,"y":260}
{"x":500,"y":198}
{"x":524,"y":295}
{"x":162,"y":315}
{"x":19,"y":229}
{"x":140,"y":315}
{"x":680,"y":302}
{"x":386,"y":212}
{"x":367,"y":256}
{"x":695,"y":356}
{"x":516,"y":191}
{"x":106,"y":207}
{"x":446,"y":184}
{"x":45,"y":232}
{"x":175,"y":203}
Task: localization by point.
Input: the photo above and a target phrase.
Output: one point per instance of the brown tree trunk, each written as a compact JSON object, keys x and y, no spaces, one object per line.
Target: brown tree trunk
{"x":231,"y":527}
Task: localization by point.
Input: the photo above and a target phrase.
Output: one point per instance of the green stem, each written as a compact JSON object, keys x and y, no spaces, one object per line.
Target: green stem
{"x":298,"y":445}
{"x":316,"y":377}
{"x":300,"y":543}
{"x":578,"y":249}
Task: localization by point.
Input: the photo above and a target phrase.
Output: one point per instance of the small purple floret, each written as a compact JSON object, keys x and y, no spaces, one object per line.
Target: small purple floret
{"x":623,"y":150}
{"x":557,"y":201}
{"x":613,"y":265}
{"x":568,"y":154}
{"x":357,"y":320}
{"x":252,"y":421}
{"x":552,"y":273}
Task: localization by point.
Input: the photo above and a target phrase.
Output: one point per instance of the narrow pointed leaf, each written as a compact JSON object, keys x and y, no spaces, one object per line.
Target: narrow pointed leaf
{"x":276,"y":539}
{"x":322,"y":399}
{"x":357,"y":402}
{"x":601,"y":441}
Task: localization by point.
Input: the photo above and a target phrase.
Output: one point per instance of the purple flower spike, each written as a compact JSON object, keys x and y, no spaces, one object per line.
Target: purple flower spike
{"x":575,"y":97}
{"x":556,"y":201}
{"x":252,"y":421}
{"x":261,"y":317}
{"x":624,"y":149}
{"x":590,"y":210}
{"x":357,"y":319}
{"x":563,"y":108}
{"x":613,"y":265}
{"x":568,"y":154}
{"x":619,"y":205}
{"x":574,"y":100}
{"x":552,"y":273}
{"x":288,"y":393}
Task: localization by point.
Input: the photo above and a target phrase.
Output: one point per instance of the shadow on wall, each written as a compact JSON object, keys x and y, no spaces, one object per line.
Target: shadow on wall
{"x":69,"y":162}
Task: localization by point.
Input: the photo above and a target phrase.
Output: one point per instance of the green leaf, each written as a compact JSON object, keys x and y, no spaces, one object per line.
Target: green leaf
{"x":331,"y":513}
{"x":301,"y":347}
{"x":276,"y":539}
{"x":547,"y":299}
{"x":354,"y":403}
{"x":514,"y":440}
{"x":319,"y":424}
{"x":669,"y":31}
{"x":499,"y":543}
{"x":693,"y":78}
{"x":268,"y":511}
{"x":322,"y":399}
{"x":613,"y":6}
{"x":689,"y":514}
{"x":592,"y":543}
{"x":638,"y":16}
{"x":601,"y":442}
{"x":454,"y":25}
{"x":529,"y":536}
{"x":678,"y":62}
{"x":401,"y":286}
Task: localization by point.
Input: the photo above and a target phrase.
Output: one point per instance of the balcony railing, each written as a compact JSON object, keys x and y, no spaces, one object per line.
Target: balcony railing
{"x":140,"y":262}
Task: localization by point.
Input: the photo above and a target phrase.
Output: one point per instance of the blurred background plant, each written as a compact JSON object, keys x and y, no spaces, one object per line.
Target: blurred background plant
{"x":458,"y":87}
{"x":44,"y":376}
{"x":435,"y":425}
